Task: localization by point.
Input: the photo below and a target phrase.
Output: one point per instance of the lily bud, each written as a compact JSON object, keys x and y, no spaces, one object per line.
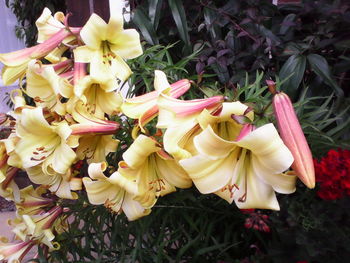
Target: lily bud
{"x":294,"y":138}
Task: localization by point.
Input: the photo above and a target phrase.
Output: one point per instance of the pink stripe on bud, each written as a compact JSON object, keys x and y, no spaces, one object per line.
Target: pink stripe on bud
{"x":179,"y":88}
{"x":19,"y":57}
{"x":176,"y":90}
{"x":294,"y":138}
{"x":63,"y":65}
{"x":185,"y":108}
{"x":79,"y":71}
{"x":97,"y":128}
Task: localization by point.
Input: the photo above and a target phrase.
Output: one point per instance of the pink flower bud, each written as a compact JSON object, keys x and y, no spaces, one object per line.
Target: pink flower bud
{"x":294,"y":138}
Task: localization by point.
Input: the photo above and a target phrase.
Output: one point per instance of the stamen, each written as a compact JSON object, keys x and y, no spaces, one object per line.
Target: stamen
{"x":40,"y":159}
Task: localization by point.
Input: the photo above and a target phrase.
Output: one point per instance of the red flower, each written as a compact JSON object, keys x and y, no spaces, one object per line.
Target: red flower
{"x":333,"y":174}
{"x":256,"y":220}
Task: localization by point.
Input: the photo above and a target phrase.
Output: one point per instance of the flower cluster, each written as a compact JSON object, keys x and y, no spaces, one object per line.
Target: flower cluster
{"x":333,"y":175}
{"x":71,"y":122}
{"x":256,"y":220}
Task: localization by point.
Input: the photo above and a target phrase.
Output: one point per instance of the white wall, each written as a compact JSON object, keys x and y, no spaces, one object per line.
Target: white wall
{"x":8,"y":42}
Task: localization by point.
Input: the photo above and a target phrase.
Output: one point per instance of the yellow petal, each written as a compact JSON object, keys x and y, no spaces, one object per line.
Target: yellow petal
{"x":126,"y":44}
{"x":272,"y":156}
{"x":173,"y":173}
{"x":114,"y":26}
{"x":211,"y":145}
{"x":209,"y":175}
{"x":125,"y":181}
{"x":94,"y":32}
{"x":95,"y":147}
{"x":33,"y":122}
{"x":47,"y":25}
{"x":236,"y":108}
{"x":132,"y":209}
{"x":109,"y":102}
{"x":83,"y":54}
{"x":64,"y":157}
{"x":161,"y":83}
{"x":258,"y":194}
{"x":10,"y":74}
{"x":175,"y":139}
{"x":99,"y":191}
{"x":55,"y":55}
{"x":96,"y":170}
{"x":139,"y":151}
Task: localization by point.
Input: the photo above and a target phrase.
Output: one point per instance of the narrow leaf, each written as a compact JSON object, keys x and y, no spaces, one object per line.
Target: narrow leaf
{"x":179,"y":15}
{"x":154,"y":12}
{"x":145,"y":26}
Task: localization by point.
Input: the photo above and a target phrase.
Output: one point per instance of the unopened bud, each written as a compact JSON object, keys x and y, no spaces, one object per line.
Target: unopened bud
{"x":294,"y":138}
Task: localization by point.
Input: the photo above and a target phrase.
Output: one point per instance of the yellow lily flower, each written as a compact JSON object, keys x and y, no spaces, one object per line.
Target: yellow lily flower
{"x":32,"y":200}
{"x":95,"y":148}
{"x":41,"y":226}
{"x":49,"y":25}
{"x":180,"y":118}
{"x":239,"y":163}
{"x":60,"y":184}
{"x":46,"y":87}
{"x":98,"y":97}
{"x":115,"y":192}
{"x":95,"y":135}
{"x":155,"y":172}
{"x":144,"y":107}
{"x":106,"y":47}
{"x":42,"y":143}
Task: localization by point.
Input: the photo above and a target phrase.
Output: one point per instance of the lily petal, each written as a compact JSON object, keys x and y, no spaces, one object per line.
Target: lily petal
{"x":209,"y":175}
{"x":94,"y":31}
{"x":126,"y":44}
{"x":139,"y":151}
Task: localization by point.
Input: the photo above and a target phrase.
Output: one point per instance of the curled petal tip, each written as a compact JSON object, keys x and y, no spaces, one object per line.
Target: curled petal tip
{"x":294,"y":138}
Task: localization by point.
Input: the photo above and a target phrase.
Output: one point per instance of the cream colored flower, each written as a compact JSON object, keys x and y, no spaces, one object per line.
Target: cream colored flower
{"x":99,"y":98}
{"x":106,"y":47}
{"x":115,"y":192}
{"x":42,"y":143}
{"x":47,"y":87}
{"x":239,"y":163}
{"x":155,"y":172}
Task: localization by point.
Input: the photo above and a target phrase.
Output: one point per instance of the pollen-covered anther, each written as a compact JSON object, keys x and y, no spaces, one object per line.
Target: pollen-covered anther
{"x":158,"y":184}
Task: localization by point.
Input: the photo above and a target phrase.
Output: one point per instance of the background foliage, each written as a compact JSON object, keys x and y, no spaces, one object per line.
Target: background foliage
{"x":230,"y":47}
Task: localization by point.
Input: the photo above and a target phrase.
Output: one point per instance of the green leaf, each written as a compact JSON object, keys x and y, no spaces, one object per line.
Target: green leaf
{"x":286,"y":24}
{"x":295,"y":68}
{"x":154,"y":12}
{"x":320,"y":66}
{"x":145,"y":26}
{"x":179,"y":15}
